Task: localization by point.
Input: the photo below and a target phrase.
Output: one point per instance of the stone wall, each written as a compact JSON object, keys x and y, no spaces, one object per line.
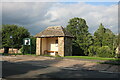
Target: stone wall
{"x":61,"y":46}
{"x":38,"y":40}
{"x":11,"y":50}
{"x":44,"y":45}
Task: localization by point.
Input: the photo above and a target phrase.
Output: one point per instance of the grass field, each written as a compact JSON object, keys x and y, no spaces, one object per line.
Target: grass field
{"x":112,"y":61}
{"x":93,"y":58}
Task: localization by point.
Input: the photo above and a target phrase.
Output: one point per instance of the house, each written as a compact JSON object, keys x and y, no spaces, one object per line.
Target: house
{"x":54,"y":40}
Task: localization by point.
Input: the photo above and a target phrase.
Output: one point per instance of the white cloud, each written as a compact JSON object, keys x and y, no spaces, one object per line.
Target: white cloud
{"x":94,"y":15}
{"x":37,"y":16}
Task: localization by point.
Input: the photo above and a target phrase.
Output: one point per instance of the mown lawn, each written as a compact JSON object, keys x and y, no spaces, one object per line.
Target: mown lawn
{"x":93,"y":58}
{"x":112,"y":61}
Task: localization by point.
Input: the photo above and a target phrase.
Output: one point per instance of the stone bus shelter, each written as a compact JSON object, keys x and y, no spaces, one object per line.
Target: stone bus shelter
{"x":54,"y":41}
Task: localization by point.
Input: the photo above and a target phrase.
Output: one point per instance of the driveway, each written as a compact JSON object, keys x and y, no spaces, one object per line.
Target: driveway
{"x":49,"y":67}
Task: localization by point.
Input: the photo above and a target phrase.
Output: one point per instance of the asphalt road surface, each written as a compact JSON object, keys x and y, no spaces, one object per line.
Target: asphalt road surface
{"x":27,"y":70}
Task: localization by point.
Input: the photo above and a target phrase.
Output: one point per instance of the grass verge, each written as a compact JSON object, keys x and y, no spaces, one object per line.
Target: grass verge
{"x":112,"y":61}
{"x":93,"y":58}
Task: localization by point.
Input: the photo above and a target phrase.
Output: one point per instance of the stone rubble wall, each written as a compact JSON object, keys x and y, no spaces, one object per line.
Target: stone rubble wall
{"x":11,"y":50}
{"x":38,"y":46}
{"x":61,"y":46}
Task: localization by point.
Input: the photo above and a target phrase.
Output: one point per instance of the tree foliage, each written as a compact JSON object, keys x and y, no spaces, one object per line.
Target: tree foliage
{"x":104,"y":38}
{"x":104,"y":51}
{"x":82,"y":38}
{"x":103,"y":43}
{"x":17,"y":33}
{"x":0,"y":36}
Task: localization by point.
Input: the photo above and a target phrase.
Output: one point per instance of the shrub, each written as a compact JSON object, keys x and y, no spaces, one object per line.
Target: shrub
{"x":104,"y":51}
{"x":92,"y":50}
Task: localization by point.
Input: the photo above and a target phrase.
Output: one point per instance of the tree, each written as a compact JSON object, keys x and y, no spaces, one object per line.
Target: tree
{"x":104,"y":51}
{"x":16,"y":33}
{"x":98,"y":39}
{"x":104,"y":37}
{"x":0,"y":36}
{"x":117,"y":40}
{"x":83,"y":39}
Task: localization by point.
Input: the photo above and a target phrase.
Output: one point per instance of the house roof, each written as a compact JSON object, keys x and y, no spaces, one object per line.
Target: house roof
{"x":54,"y":31}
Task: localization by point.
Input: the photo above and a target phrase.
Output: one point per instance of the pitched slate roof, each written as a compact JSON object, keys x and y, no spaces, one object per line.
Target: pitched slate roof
{"x":54,"y":31}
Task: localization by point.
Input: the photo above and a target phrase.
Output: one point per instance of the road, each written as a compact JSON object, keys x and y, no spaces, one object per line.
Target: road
{"x":34,"y":69}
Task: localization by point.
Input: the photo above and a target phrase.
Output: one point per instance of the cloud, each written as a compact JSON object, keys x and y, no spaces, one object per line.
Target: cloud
{"x":37,"y":16}
{"x":25,"y":14}
{"x":94,"y":15}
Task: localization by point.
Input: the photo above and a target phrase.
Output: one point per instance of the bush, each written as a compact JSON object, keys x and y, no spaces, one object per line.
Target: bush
{"x":25,"y":49}
{"x":104,"y":51}
{"x":92,"y":50}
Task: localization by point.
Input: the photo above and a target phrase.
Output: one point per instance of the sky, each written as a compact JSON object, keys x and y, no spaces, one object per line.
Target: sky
{"x":36,"y":16}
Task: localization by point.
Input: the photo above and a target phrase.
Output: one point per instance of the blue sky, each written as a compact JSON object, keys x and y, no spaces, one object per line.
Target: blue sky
{"x":36,"y":16}
{"x":102,"y":3}
{"x":94,"y":3}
